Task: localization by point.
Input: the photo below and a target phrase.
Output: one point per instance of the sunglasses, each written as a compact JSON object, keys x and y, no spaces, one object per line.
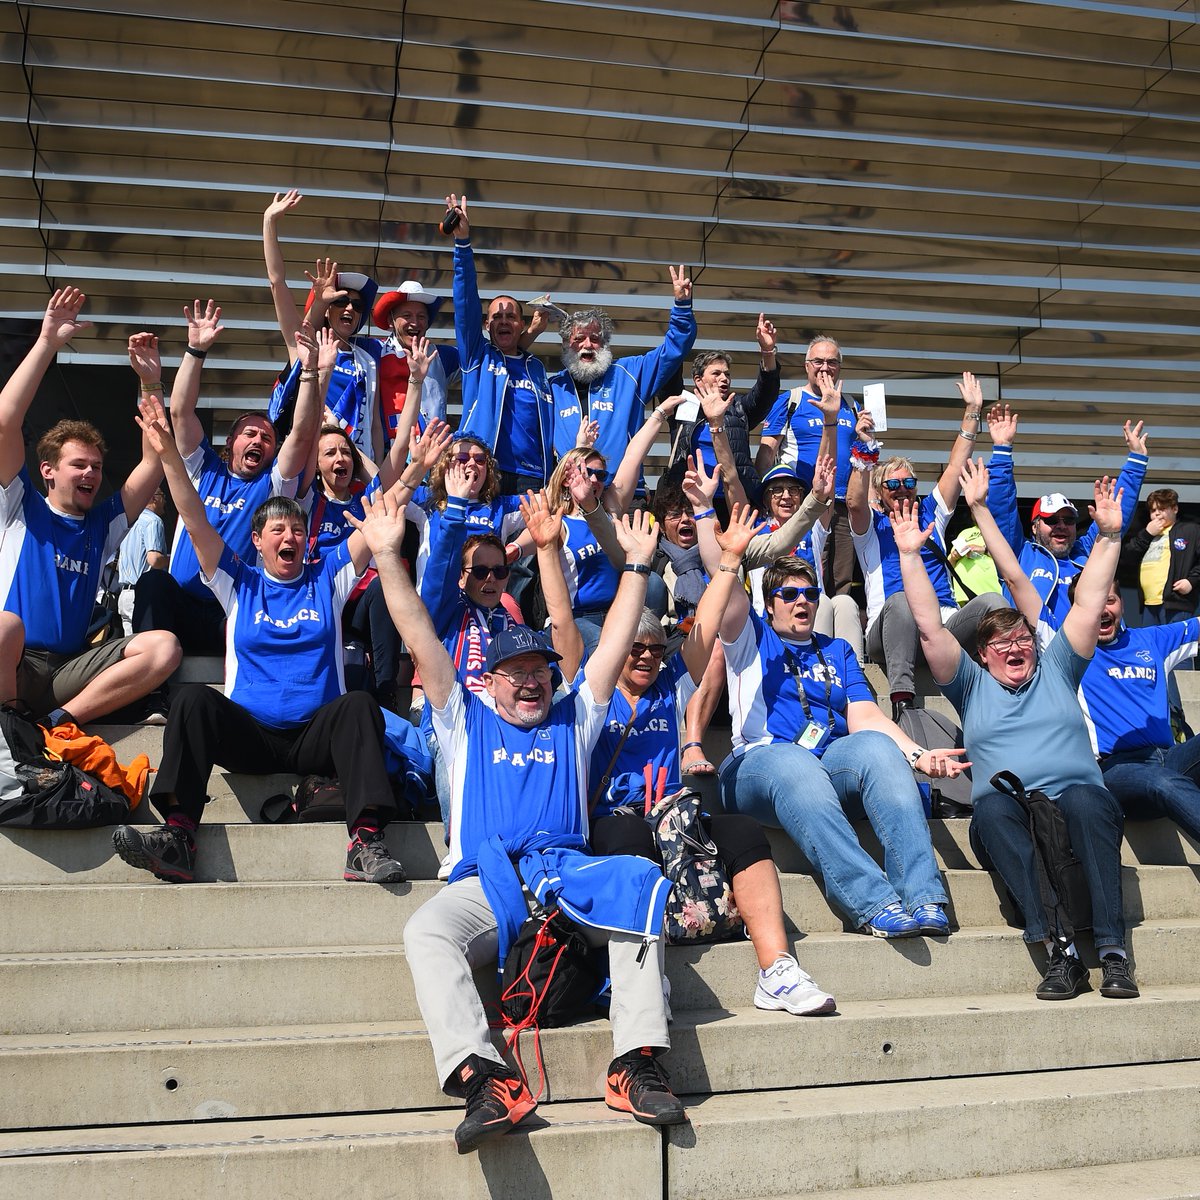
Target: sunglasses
{"x":824,"y":362}
{"x":789,"y":595}
{"x":908,"y":483}
{"x":596,"y":472}
{"x":466,"y":456}
{"x":500,"y":572}
{"x":1008,"y":645}
{"x":656,"y":650}
{"x":1059,"y":519}
{"x":349,"y":302}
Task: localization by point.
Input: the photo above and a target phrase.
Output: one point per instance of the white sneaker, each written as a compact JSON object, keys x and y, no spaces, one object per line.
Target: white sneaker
{"x":444,"y":867}
{"x":787,"y":987}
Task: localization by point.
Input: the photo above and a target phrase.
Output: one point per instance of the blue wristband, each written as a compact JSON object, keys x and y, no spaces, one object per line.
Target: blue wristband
{"x":708,"y":512}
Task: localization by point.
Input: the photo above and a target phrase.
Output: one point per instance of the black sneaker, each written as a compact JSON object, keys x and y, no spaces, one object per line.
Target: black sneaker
{"x":368,"y":861}
{"x":1117,"y":981}
{"x":497,"y":1100}
{"x":637,"y":1084}
{"x":1064,"y":979}
{"x":168,"y":853}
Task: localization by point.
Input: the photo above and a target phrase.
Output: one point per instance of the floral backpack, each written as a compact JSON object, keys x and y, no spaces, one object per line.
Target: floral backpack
{"x":701,"y":907}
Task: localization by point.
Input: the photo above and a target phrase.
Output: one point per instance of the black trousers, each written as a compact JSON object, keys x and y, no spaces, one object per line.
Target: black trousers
{"x":159,"y":602}
{"x":740,"y":840}
{"x":205,"y":729}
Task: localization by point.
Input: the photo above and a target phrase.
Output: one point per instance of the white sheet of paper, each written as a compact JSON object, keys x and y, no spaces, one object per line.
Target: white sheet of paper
{"x":875,"y":402}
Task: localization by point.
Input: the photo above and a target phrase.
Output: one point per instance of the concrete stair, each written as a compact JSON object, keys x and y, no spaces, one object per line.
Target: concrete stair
{"x":256,"y":1032}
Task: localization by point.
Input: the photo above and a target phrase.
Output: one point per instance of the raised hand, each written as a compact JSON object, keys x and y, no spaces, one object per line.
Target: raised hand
{"x":539,"y":322}
{"x":1135,"y":439}
{"x":429,"y":446}
{"x":419,"y":358}
{"x":307,"y":349}
{"x":589,"y":431}
{"x":906,"y":528}
{"x":152,"y":421}
{"x":458,"y":481}
{"x":204,"y":324}
{"x":323,"y":278}
{"x":971,"y":392}
{"x":712,"y":402}
{"x":974,"y":483}
{"x":698,"y":485}
{"x":681,"y":284}
{"x":544,"y":525}
{"x":328,"y":348}
{"x":463,"y":228}
{"x":61,"y":322}
{"x":824,"y":482}
{"x":579,"y":486}
{"x":382,"y":524}
{"x":765,"y":333}
{"x":1002,"y":424}
{"x":144,"y":359}
{"x":864,"y":427}
{"x":830,"y":399}
{"x":1106,"y":511}
{"x":638,"y":535}
{"x":282,"y":204}
{"x":740,"y":532}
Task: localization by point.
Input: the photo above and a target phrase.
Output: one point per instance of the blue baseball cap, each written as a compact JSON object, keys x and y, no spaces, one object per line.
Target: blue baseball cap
{"x":515,"y":641}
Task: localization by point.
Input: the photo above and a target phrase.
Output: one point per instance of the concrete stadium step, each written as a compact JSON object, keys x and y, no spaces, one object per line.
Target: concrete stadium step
{"x":286,"y":985}
{"x":250,"y":852}
{"x":899,"y":1133}
{"x":144,"y":914}
{"x":561,"y":1151}
{"x":1164,"y":1179}
{"x":179,"y":1075}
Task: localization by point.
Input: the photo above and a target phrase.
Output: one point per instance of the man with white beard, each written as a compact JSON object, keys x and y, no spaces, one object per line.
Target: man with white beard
{"x":593,"y":386}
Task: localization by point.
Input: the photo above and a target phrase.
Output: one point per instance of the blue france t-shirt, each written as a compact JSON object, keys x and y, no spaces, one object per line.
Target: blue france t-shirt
{"x":764,"y":700}
{"x":50,"y":563}
{"x":1124,"y":689}
{"x":518,"y":446}
{"x":283,"y":644}
{"x":229,"y":504}
{"x":592,"y":581}
{"x":802,"y":438}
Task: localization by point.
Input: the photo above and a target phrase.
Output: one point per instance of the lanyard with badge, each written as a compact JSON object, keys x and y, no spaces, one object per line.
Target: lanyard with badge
{"x":812,"y":735}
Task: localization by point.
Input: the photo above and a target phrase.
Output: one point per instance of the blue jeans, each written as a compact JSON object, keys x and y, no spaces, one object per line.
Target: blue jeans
{"x":815,"y":799}
{"x":1153,"y":782}
{"x":1095,"y":824}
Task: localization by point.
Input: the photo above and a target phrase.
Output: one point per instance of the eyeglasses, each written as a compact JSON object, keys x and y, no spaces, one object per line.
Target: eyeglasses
{"x":500,"y":572}
{"x":908,"y":483}
{"x":1058,"y":519}
{"x":596,"y":472}
{"x":789,"y":595}
{"x":656,"y":650}
{"x":520,"y":678}
{"x":676,"y":514}
{"x":823,"y":362}
{"x":1006,"y":646}
{"x":477,"y":457}
{"x":349,"y":302}
{"x":783,"y":489}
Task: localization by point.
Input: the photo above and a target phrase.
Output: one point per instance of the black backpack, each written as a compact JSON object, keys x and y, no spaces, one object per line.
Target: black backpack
{"x":1063,"y":885}
{"x":551,"y":974}
{"x":947,"y":797}
{"x":37,"y":792}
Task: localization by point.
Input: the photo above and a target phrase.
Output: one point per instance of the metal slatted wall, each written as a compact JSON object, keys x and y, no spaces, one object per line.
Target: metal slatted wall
{"x":1005,"y":187}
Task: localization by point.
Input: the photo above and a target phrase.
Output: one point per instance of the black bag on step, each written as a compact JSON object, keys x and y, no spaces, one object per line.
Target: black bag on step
{"x":551,"y":974}
{"x":318,"y":798}
{"x":948,"y":797}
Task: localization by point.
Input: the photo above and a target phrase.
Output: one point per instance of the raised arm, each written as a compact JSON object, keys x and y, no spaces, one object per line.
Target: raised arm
{"x":59,"y":325}
{"x":725,"y":598}
{"x":468,"y":316}
{"x":419,"y":358}
{"x":638,"y":536}
{"x":865,"y":454}
{"x":765,"y":389}
{"x":205,"y":539}
{"x":769,"y":546}
{"x":427,"y":448}
{"x":1002,"y":482}
{"x":545,"y":527}
{"x":941,"y":648}
{"x":1129,"y":482}
{"x":1025,"y":596}
{"x":620,"y":492}
{"x":145,"y":477}
{"x":964,"y":440}
{"x":1081,"y":625}
{"x":382,"y":527}
{"x":700,"y":488}
{"x":296,"y":450}
{"x":204,"y":327}
{"x":287,"y":312}
{"x":715,"y":407}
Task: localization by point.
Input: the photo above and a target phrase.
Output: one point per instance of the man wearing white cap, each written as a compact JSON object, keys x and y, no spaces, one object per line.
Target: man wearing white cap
{"x":1056,"y":551}
{"x":406,"y":313}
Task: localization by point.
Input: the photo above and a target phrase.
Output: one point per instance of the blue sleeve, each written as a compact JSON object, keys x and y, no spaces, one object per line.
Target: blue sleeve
{"x":853,"y":679}
{"x":283,"y":394}
{"x":1129,"y":483}
{"x":468,"y":316}
{"x":659,"y":365}
{"x":439,"y":584}
{"x":1002,"y":496}
{"x":773,"y":426}
{"x":451,"y":363}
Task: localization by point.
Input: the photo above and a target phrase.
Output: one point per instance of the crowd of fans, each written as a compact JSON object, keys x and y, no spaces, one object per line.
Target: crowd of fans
{"x":570,"y":630}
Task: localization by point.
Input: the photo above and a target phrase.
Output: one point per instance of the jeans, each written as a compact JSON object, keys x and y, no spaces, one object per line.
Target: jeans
{"x":894,"y":643}
{"x":1153,"y":782}
{"x":815,"y":799}
{"x":1095,"y":824}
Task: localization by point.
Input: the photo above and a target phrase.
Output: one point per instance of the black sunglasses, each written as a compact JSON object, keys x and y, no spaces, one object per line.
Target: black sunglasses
{"x":349,"y":302}
{"x":789,"y":595}
{"x":656,"y":650}
{"x":500,"y":572}
{"x":908,"y":483}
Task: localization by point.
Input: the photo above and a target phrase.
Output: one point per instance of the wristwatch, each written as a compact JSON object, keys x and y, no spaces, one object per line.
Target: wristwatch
{"x":914,"y":755}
